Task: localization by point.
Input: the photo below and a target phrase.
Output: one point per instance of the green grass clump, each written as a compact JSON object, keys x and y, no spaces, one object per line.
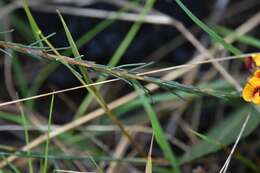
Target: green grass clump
{"x":88,"y":148}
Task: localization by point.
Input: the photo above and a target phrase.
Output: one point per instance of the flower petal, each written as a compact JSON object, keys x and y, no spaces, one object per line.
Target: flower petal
{"x":256,"y":99}
{"x":257,"y":74}
{"x":254,"y":82}
{"x":248,"y":92}
{"x":256,"y":58}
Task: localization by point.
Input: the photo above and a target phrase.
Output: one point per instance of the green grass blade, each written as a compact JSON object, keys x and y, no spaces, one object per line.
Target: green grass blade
{"x":11,"y":117}
{"x":75,"y":51}
{"x":119,"y":53}
{"x":158,"y":131}
{"x":49,"y":68}
{"x":34,"y":26}
{"x":45,"y":166}
{"x":149,"y":164}
{"x":64,"y":157}
{"x":39,"y":80}
{"x":25,"y":125}
{"x":229,"y":129}
{"x":97,"y":29}
{"x":207,"y":29}
{"x":92,"y":89}
{"x":238,"y":156}
{"x":12,"y":166}
{"x":19,"y":77}
{"x":69,"y":37}
{"x":22,"y":28}
{"x":164,"y":97}
{"x":131,"y":34}
{"x":252,"y":41}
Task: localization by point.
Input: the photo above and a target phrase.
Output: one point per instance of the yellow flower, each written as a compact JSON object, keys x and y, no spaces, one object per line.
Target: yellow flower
{"x":251,"y":92}
{"x":256,"y":58}
{"x":257,"y":74}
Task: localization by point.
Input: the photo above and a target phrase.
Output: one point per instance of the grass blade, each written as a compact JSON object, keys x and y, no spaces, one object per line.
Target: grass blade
{"x":237,"y":156}
{"x":93,"y":90}
{"x":119,"y":53}
{"x":25,"y":125}
{"x":12,"y":166}
{"x":252,"y":41}
{"x":11,"y":117}
{"x":229,"y":129}
{"x":207,"y":29}
{"x":34,"y":26}
{"x":20,"y":78}
{"x":45,"y":166}
{"x":149,"y":165}
{"x":157,"y":129}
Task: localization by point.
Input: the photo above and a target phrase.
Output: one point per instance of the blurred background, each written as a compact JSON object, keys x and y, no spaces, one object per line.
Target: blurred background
{"x":111,"y":29}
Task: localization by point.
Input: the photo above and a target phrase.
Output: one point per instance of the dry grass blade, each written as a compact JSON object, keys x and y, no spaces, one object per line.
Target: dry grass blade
{"x":148,"y":167}
{"x":226,"y":164}
{"x":67,"y":171}
{"x":188,"y":65}
{"x":86,"y":79}
{"x":92,"y":89}
{"x":244,"y":28}
{"x":56,"y":92}
{"x":122,"y":74}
